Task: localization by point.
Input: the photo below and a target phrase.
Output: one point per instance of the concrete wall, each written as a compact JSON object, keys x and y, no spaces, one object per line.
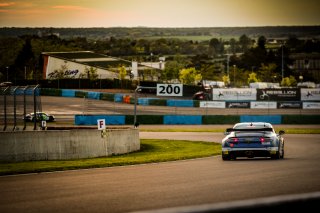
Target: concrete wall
{"x":66,"y":144}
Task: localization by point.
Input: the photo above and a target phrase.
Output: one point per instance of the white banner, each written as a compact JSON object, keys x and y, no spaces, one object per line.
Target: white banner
{"x":310,"y":94}
{"x":263,"y":105}
{"x":311,"y":105}
{"x":243,"y":94}
{"x":213,"y":104}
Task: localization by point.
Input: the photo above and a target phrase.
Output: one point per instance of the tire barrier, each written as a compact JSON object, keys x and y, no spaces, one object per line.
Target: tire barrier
{"x":312,"y":102}
{"x":182,"y":119}
{"x":274,"y":119}
{"x":196,"y":119}
{"x":92,"y":119}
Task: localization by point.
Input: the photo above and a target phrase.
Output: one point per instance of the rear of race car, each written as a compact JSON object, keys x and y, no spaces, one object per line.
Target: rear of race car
{"x":250,"y":145}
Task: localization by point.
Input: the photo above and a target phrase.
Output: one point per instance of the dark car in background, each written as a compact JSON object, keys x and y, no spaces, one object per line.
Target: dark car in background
{"x":6,"y":84}
{"x":201,"y":95}
{"x":251,"y":140}
{"x":40,"y":116}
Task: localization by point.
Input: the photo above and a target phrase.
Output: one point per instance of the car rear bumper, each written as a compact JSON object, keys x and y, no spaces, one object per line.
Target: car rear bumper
{"x":250,"y":152}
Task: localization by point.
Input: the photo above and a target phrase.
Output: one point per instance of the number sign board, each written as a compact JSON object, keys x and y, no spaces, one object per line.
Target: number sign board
{"x":169,"y":89}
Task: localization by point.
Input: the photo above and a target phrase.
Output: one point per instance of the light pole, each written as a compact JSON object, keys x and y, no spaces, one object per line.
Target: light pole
{"x":7,"y":73}
{"x":234,"y":75}
{"x":282,"y":71}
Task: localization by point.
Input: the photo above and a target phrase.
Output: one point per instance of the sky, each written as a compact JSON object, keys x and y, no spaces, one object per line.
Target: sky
{"x":158,"y":13}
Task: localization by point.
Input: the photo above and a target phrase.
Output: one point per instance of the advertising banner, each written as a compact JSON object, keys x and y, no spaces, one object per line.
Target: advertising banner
{"x":239,"y":104}
{"x":311,"y":105}
{"x":234,"y":94}
{"x":278,"y":94}
{"x":289,"y":105}
{"x":310,"y":94}
{"x":263,"y":105}
{"x":213,"y":104}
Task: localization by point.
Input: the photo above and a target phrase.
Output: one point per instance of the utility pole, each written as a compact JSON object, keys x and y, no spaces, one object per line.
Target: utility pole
{"x":228,"y":60}
{"x":282,"y":70}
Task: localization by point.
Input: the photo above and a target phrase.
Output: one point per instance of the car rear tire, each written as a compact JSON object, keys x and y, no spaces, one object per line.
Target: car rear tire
{"x":226,"y":157}
{"x":276,"y":156}
{"x":282,"y":153}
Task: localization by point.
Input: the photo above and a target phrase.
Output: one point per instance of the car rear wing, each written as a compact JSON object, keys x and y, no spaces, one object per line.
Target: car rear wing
{"x":228,"y":130}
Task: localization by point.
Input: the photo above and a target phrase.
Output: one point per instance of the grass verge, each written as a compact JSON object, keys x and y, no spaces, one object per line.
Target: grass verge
{"x":151,"y":151}
{"x":221,"y":130}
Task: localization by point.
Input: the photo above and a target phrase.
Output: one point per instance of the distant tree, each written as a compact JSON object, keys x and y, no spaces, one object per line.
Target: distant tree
{"x":226,"y":80}
{"x":171,"y":71}
{"x":25,"y":60}
{"x":189,"y":76}
{"x":294,"y":43}
{"x":172,"y":67}
{"x":262,"y":42}
{"x":285,"y":82}
{"x":122,"y":72}
{"x":208,"y":70}
{"x":253,"y":78}
{"x":10,"y":48}
{"x":233,"y":45}
{"x":266,"y":72}
{"x":91,"y":73}
{"x":245,"y":42}
{"x":293,"y":81}
{"x":216,"y":47}
{"x":289,"y":81}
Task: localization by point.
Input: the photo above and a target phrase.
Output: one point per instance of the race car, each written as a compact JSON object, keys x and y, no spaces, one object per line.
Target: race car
{"x":41,"y":116}
{"x":252,"y":140}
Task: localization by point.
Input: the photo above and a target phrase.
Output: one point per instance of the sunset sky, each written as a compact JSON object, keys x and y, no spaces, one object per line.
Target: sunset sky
{"x":158,"y":13}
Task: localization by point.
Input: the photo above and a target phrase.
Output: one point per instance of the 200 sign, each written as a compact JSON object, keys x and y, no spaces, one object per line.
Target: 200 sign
{"x":169,"y":89}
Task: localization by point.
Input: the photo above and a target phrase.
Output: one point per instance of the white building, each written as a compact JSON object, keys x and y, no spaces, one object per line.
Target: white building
{"x":76,"y":65}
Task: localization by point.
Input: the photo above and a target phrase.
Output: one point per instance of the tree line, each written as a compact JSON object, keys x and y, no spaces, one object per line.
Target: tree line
{"x":237,"y":61}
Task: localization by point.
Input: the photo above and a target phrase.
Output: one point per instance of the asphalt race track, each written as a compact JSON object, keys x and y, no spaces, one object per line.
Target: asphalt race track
{"x":163,"y":185}
{"x":172,"y":184}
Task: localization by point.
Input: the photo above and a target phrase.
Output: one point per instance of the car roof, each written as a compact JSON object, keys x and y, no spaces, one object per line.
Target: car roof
{"x":252,"y":125}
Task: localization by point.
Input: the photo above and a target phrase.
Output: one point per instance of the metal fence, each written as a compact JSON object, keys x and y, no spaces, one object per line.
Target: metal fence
{"x":15,"y":103}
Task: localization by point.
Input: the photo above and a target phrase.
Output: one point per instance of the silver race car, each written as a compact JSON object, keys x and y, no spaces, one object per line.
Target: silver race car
{"x":250,"y":140}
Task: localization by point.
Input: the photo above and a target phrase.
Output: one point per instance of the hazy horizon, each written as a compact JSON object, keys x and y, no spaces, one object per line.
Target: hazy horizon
{"x":158,"y":14}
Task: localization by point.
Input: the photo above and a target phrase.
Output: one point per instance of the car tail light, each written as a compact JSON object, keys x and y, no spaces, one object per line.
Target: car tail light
{"x":265,"y":141}
{"x":232,"y":141}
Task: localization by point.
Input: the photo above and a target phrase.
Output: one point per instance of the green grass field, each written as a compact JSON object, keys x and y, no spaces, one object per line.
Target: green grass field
{"x":151,"y":151}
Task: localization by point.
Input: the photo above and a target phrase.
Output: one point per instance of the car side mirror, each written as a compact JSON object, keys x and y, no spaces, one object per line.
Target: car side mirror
{"x":228,"y":130}
{"x":282,"y":132}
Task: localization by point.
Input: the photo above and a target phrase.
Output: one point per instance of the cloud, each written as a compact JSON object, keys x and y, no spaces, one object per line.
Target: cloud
{"x":7,"y":4}
{"x":69,"y":7}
